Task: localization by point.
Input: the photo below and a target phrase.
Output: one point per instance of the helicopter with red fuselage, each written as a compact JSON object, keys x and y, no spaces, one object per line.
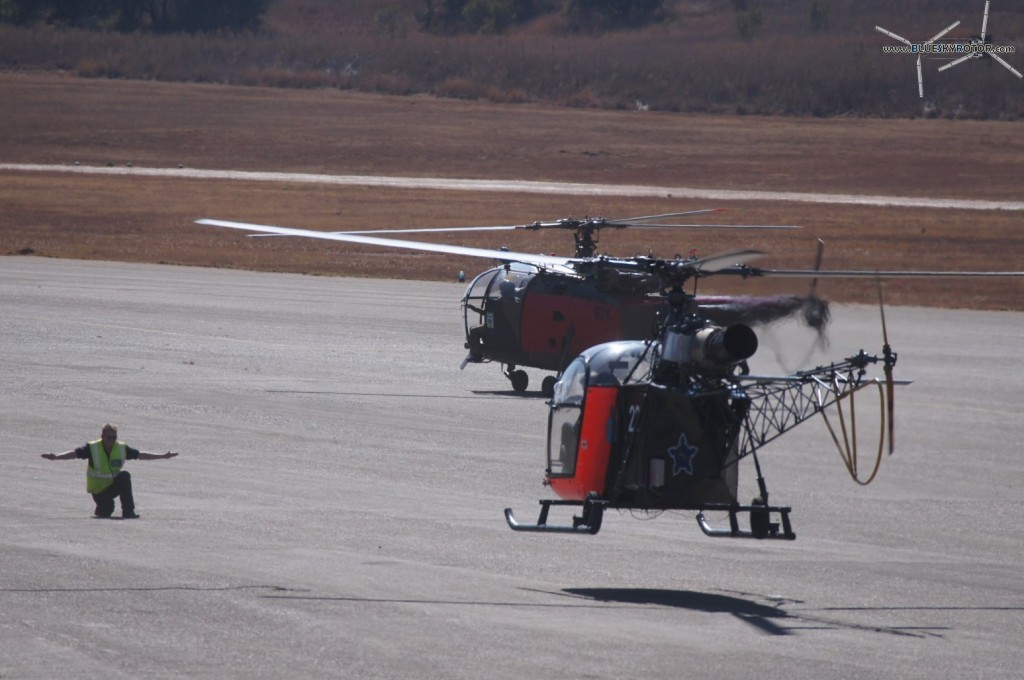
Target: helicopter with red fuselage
{"x":524,"y":315}
{"x":521,"y":315}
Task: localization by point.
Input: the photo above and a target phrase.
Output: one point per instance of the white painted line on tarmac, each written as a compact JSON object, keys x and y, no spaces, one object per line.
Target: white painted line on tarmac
{"x":528,"y":187}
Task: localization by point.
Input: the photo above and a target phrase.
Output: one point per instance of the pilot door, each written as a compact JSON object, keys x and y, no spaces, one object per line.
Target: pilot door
{"x":580,"y":427}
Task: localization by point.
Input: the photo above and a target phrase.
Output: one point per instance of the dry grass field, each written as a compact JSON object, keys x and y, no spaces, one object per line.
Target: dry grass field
{"x":54,"y":119}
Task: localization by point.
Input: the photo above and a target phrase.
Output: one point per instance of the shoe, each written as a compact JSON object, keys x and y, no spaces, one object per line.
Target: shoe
{"x":101,"y":515}
{"x":130,"y":515}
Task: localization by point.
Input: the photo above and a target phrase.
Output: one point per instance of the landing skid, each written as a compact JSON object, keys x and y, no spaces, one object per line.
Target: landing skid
{"x":761,"y":525}
{"x":589,"y":520}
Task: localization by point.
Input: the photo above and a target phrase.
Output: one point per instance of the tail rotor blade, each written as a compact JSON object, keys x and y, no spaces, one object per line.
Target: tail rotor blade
{"x":890,"y":360}
{"x":890,"y":393}
{"x":818,"y":257}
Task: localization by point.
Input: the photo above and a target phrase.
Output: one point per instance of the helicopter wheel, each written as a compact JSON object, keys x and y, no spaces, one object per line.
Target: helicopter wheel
{"x":519,"y":380}
{"x":547,"y":386}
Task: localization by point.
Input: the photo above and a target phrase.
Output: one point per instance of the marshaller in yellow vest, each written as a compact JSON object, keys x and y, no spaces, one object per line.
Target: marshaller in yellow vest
{"x":105,"y":477}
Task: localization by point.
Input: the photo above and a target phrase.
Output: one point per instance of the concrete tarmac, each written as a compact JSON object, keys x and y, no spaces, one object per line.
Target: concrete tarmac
{"x":336,"y":507}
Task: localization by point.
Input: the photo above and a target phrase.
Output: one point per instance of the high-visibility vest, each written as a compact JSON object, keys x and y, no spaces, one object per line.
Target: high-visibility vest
{"x":100,"y":474}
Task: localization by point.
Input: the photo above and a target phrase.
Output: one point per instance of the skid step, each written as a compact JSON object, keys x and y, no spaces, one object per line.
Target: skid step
{"x":588,"y":522}
{"x":761,"y":524}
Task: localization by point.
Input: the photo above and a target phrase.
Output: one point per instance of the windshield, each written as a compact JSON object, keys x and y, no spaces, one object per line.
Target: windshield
{"x":565,"y":418}
{"x":612,"y":363}
{"x":569,"y":389}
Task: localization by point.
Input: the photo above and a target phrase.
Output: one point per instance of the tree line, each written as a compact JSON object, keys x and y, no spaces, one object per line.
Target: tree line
{"x":496,"y":16}
{"x":159,"y":16}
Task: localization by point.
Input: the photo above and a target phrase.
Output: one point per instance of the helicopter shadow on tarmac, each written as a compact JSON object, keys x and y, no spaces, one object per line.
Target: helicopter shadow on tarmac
{"x":536,"y":394}
{"x":762,"y":616}
{"x":771,"y":619}
{"x":384,"y":395}
{"x":752,"y":612}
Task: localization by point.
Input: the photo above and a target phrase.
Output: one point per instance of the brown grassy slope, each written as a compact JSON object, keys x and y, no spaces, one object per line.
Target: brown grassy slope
{"x":58,"y":119}
{"x":50,"y":119}
{"x":695,"y":61}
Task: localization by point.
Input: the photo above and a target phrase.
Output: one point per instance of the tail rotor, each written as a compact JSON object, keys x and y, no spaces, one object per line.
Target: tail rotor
{"x":889,"y":361}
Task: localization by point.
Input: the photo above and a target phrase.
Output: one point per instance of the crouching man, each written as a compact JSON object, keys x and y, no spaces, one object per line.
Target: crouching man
{"x":105,"y":478}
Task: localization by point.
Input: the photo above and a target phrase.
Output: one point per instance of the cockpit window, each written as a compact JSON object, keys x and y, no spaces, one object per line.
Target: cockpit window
{"x":565,"y":419}
{"x":563,"y":440}
{"x":479,"y":287}
{"x":619,"y":361}
{"x":509,"y":284}
{"x":569,"y":389}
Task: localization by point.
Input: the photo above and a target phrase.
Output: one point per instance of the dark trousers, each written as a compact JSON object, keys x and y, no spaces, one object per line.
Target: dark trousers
{"x":122,"y":487}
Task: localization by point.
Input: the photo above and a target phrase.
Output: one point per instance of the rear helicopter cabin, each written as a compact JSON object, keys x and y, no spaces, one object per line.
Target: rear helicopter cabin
{"x":564,"y":312}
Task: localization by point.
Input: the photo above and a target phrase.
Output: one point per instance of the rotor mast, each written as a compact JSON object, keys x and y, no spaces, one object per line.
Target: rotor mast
{"x":584,"y":232}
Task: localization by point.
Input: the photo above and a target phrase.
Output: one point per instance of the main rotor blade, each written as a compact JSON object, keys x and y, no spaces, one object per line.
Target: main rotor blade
{"x":506,"y":227}
{"x":643,"y":218}
{"x":690,"y":267}
{"x":529,"y":258}
{"x":410,"y":231}
{"x":713,"y":226}
{"x":893,"y":35}
{"x":984,"y":22}
{"x":853,"y":274}
{"x":1003,"y":62}
{"x":722,"y":261}
{"x":920,"y":79}
{"x":943,"y":32}
{"x":956,"y":61}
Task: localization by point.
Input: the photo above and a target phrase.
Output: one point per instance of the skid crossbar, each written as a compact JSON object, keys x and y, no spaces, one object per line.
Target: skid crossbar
{"x":589,"y":522}
{"x":761,"y":525}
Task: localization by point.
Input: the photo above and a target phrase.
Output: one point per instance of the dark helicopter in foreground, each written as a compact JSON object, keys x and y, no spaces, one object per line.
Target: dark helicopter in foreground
{"x":662,"y":423}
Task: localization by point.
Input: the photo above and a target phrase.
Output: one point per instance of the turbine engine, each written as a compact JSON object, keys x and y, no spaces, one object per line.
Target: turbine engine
{"x":695,"y":345}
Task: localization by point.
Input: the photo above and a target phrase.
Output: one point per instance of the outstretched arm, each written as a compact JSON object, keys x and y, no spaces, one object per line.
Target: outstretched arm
{"x":156,"y":456}
{"x":67,"y":455}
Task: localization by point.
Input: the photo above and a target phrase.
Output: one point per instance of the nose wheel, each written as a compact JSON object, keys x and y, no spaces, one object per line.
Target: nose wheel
{"x":518,"y":377}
